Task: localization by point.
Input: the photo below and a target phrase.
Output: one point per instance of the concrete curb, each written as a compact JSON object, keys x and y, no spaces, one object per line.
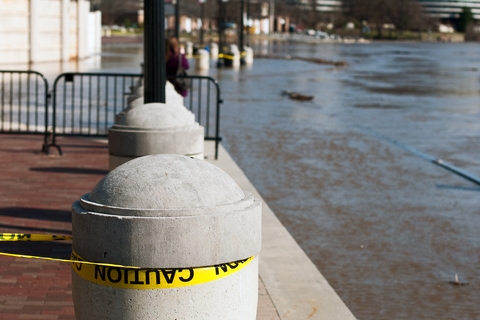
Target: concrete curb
{"x":296,"y":288}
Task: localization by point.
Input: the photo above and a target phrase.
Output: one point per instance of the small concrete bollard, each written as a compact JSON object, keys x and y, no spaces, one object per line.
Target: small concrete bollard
{"x":248,"y":55}
{"x":236,"y":55}
{"x":137,"y":92}
{"x":236,"y":59}
{"x":188,"y":48}
{"x":202,"y":60}
{"x":154,"y":128}
{"x":192,"y":231}
{"x":214,"y":51}
{"x":233,"y":48}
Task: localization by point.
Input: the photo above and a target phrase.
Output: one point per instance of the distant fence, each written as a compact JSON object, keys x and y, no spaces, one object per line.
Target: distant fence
{"x":23,"y":102}
{"x":85,"y":104}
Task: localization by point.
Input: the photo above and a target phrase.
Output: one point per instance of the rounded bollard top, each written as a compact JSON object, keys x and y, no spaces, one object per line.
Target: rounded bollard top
{"x":163,"y":183}
{"x":156,"y":116}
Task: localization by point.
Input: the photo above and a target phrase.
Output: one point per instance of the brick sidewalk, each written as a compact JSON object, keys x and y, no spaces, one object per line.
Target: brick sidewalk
{"x":36,"y":193}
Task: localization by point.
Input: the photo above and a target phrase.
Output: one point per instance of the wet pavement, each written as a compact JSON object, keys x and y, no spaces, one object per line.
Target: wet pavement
{"x":387,"y":228}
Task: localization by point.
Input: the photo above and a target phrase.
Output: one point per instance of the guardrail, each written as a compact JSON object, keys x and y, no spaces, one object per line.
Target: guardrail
{"x":24,"y":103}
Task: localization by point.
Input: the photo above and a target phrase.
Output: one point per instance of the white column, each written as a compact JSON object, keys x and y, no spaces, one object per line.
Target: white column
{"x":65,"y":54}
{"x":34,"y":30}
{"x":98,"y":37}
{"x":82,"y":21}
{"x":91,"y":33}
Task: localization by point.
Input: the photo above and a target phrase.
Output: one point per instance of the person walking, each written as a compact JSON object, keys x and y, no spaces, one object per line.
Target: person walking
{"x":176,"y":64}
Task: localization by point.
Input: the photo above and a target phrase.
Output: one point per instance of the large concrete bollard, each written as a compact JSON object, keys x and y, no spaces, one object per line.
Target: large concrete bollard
{"x":154,"y":128}
{"x":167,"y":214}
{"x":214,"y":51}
{"x":202,"y":60}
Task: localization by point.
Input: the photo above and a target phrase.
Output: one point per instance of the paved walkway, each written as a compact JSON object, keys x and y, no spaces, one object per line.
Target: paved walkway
{"x":36,"y":193}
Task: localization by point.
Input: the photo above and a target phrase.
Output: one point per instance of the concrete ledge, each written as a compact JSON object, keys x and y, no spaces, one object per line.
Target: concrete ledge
{"x":296,"y":288}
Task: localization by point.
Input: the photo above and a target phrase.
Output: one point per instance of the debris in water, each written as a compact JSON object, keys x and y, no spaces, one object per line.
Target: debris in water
{"x":297,"y":96}
{"x":307,"y":59}
{"x":458,"y":283}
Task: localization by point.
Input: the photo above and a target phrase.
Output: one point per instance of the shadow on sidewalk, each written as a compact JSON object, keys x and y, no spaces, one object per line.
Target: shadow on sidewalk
{"x":34,"y":213}
{"x":71,"y":170}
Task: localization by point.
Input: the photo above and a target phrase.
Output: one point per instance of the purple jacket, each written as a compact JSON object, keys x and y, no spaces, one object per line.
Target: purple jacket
{"x":171,"y":67}
{"x":172,"y":64}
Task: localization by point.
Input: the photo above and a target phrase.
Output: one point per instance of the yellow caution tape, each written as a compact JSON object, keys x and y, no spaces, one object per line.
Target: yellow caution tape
{"x":31,"y":237}
{"x":16,"y":255}
{"x":130,"y":278}
{"x":225,"y":56}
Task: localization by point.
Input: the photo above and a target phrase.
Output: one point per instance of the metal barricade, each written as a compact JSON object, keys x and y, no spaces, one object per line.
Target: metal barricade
{"x":85,"y":104}
{"x":24,"y":103}
{"x":204,"y":101}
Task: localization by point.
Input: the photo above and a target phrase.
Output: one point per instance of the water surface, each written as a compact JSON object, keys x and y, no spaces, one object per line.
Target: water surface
{"x":387,"y":228}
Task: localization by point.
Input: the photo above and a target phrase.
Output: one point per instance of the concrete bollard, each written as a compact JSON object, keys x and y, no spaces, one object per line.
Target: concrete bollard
{"x":154,"y":128}
{"x":136,"y":99}
{"x":248,"y":55}
{"x":137,"y":92}
{"x":236,"y":59}
{"x":202,"y":60}
{"x":214,"y":51}
{"x":188,"y":48}
{"x":167,"y":214}
{"x":236,"y":55}
{"x":233,"y":48}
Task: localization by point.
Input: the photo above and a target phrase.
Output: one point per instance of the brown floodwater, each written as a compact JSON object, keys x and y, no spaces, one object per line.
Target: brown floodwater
{"x":345,"y":173}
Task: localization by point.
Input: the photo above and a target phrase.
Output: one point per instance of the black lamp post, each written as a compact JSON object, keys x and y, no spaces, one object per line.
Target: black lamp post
{"x":220,"y":18}
{"x":241,"y":39}
{"x":177,"y":19}
{"x":154,"y":51}
{"x":248,"y":17}
{"x":222,"y":12}
{"x":202,"y":16}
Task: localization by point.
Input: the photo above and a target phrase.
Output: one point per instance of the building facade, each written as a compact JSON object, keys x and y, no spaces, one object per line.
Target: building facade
{"x":35,"y":31}
{"x":329,"y":5}
{"x":450,"y":9}
{"x":443,"y":9}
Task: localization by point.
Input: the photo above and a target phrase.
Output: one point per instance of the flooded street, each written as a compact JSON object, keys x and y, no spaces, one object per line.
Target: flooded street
{"x":347,"y":173}
{"x":387,"y":228}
